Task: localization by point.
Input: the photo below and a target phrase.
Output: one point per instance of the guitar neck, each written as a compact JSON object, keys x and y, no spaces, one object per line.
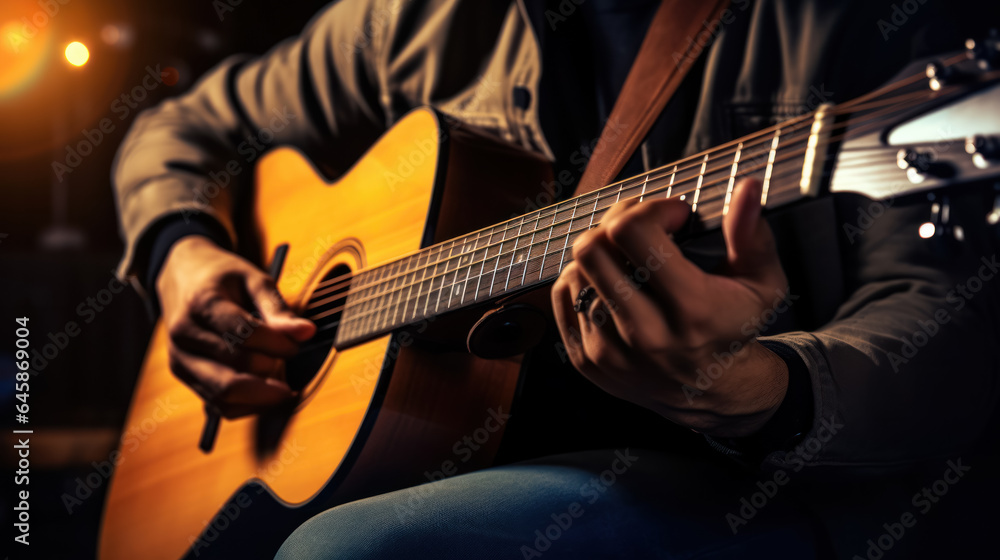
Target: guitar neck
{"x":792,"y":159}
{"x":532,"y":249}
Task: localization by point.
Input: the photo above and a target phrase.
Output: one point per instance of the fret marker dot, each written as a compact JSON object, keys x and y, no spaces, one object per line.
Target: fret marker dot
{"x":683,"y":196}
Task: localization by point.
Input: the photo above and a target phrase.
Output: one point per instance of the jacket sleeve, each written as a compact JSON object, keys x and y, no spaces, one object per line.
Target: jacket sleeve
{"x":195,"y":154}
{"x":906,"y":371}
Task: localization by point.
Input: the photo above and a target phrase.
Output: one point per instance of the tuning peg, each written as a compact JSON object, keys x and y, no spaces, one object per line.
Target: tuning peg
{"x":919,"y":164}
{"x":939,"y":75}
{"x":983,"y":149}
{"x":939,"y":225}
{"x":986,"y":51}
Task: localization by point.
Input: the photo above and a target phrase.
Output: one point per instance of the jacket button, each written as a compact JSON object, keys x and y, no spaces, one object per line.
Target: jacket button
{"x":522,"y":97}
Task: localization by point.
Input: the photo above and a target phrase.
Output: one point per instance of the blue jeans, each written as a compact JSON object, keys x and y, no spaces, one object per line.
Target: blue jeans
{"x":600,"y":504}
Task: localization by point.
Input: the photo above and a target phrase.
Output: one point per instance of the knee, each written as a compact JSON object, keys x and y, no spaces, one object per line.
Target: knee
{"x":327,"y":536}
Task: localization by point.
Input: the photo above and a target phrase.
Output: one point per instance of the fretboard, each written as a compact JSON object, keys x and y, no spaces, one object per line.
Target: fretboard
{"x":533,"y":248}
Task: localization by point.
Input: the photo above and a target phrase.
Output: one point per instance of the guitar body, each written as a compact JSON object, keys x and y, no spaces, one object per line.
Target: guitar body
{"x":381,"y":415}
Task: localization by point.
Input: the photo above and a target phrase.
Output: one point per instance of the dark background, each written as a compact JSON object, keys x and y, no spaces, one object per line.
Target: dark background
{"x":59,"y":238}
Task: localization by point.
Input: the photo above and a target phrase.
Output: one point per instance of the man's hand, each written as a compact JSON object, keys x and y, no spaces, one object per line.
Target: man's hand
{"x":230,"y":355}
{"x":656,"y":322}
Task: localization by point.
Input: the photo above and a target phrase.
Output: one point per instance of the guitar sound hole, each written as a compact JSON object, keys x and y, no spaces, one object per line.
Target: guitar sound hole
{"x":328,"y":301}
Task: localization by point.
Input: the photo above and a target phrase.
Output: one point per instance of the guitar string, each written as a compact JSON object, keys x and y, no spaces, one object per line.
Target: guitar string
{"x":525,"y":220}
{"x":718,"y":150}
{"x":397,"y":290}
{"x":749,"y":142}
{"x":369,"y":313}
{"x":441,"y":289}
{"x":316,"y":301}
{"x":327,"y":288}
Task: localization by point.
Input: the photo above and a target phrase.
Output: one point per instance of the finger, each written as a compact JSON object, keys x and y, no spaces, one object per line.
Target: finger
{"x":603,"y":349}
{"x":643,"y":234}
{"x":567,"y":321}
{"x":750,"y":244}
{"x":602,"y":343}
{"x":237,"y":326}
{"x":275,"y":312}
{"x":232,"y":393}
{"x":229,"y":351}
{"x":633,"y":314}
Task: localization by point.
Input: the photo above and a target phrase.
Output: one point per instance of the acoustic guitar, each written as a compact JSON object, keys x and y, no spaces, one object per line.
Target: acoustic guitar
{"x":425,"y":267}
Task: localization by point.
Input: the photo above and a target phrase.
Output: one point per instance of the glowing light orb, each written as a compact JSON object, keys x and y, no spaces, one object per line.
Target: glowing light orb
{"x":77,"y":53}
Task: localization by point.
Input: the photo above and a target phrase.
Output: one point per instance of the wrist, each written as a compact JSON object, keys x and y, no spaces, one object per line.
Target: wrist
{"x":773,"y":373}
{"x":166,"y":234}
{"x":786,"y":425}
{"x":187,"y":249}
{"x":759,"y":388}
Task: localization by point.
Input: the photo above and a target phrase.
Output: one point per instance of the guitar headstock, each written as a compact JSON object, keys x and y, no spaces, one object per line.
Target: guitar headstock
{"x":940,"y":129}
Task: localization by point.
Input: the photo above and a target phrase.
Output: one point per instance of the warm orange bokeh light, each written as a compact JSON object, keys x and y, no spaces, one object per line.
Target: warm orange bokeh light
{"x":77,"y":53}
{"x":22,"y":55}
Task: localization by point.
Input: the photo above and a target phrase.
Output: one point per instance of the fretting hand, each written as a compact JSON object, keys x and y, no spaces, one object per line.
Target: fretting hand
{"x":646,"y":342}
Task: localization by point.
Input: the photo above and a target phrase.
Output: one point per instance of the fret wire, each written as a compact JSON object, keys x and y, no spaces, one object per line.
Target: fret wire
{"x":420,"y":287}
{"x":365,"y":303}
{"x":569,"y":230}
{"x":394,"y":291}
{"x":458,"y":287}
{"x":430,"y":287}
{"x":513,"y":255}
{"x":548,"y":239}
{"x":496,"y":266}
{"x":670,"y":187}
{"x":397,"y":287}
{"x":732,"y":179}
{"x":455,"y":286}
{"x":594,"y":212}
{"x":437,"y":304}
{"x":400,"y":308}
{"x":374,"y":303}
{"x":365,"y":326}
{"x":367,"y":296}
{"x":468,"y":272}
{"x":444,"y":279}
{"x":697,"y":189}
{"x":500,"y":254}
{"x":770,"y":165}
{"x":482,"y":266}
{"x":531,"y":243}
{"x":645,"y":182}
{"x":404,"y":301}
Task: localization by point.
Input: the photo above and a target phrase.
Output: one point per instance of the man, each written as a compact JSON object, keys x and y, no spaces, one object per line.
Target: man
{"x":545,"y":75}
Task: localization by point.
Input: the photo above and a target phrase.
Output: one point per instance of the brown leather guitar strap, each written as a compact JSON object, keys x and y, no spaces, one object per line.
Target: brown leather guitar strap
{"x":670,"y":48}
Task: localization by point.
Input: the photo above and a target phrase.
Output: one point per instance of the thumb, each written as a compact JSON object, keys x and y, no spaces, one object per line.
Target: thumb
{"x":750,"y":246}
{"x":275,"y":312}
